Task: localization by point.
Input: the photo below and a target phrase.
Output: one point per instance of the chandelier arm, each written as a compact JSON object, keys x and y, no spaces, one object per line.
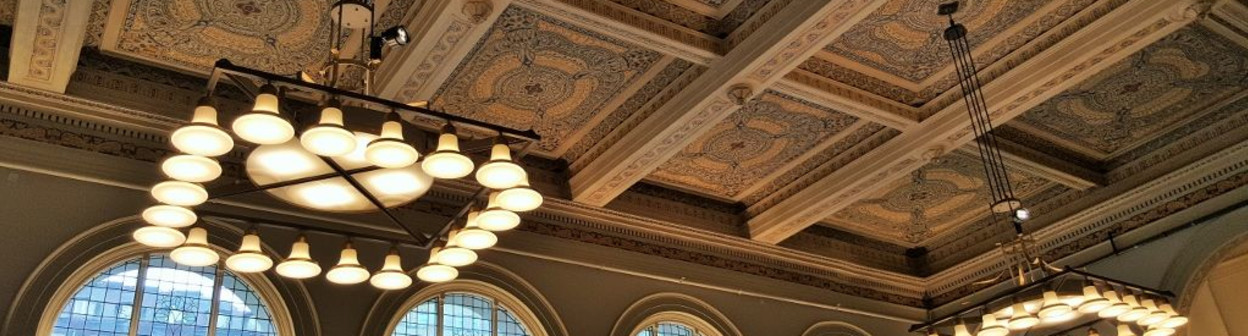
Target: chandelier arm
{"x":381,"y":236}
{"x":373,"y":199}
{"x":217,"y":193}
{"x":1088,"y":324}
{"x":482,"y":191}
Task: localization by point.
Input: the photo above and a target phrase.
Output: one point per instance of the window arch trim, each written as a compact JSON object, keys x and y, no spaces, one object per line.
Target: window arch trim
{"x":673,"y":307}
{"x":700,"y":327}
{"x":501,"y":297}
{"x":835,"y":328}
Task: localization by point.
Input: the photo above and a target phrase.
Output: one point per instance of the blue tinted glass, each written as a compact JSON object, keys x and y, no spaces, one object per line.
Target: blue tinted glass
{"x":673,"y":329}
{"x":420,"y":321}
{"x":463,"y":314}
{"x":103,"y":305}
{"x":177,"y":299}
{"x":240,"y":311}
{"x":466,"y":315}
{"x":508,"y":325}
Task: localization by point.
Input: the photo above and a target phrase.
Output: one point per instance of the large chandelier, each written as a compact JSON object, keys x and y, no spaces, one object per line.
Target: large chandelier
{"x":325,"y":165}
{"x":1045,"y":300}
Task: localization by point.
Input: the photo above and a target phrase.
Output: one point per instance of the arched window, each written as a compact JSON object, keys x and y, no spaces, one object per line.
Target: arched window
{"x":460,"y":314}
{"x":666,"y":328}
{"x":152,"y":295}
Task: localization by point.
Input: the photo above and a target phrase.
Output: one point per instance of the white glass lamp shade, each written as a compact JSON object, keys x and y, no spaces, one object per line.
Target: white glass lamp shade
{"x":391,"y":275}
{"x":389,"y":151}
{"x":203,"y":136}
{"x":348,"y":271}
{"x":195,"y":251}
{"x":1137,"y":311}
{"x":1054,"y":310}
{"x":1093,"y":302}
{"x":435,"y":272}
{"x":495,"y":218}
{"x":454,"y":255}
{"x":1157,"y":331}
{"x":159,"y":236}
{"x":991,"y":327}
{"x":1021,"y":319}
{"x":447,"y":162}
{"x":961,"y":330}
{"x":249,"y":258}
{"x":500,"y":173}
{"x":1125,"y":330}
{"x":328,"y":137}
{"x":180,"y":193}
{"x":473,"y":237}
{"x":271,"y":164}
{"x":264,"y":125}
{"x":1155,"y":314}
{"x":299,"y":265}
{"x":1175,"y":320}
{"x":169,"y":215}
{"x":1116,"y":306}
{"x":191,"y":168}
{"x":520,"y":198}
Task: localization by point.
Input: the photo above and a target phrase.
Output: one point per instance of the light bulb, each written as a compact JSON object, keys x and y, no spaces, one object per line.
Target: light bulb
{"x":500,"y":172}
{"x":961,"y":330}
{"x":1175,"y":320}
{"x":435,"y":272}
{"x":991,"y":327}
{"x":195,"y":251}
{"x":203,"y":136}
{"x":348,"y":271}
{"x":159,"y":236}
{"x":1022,"y":214}
{"x":191,"y":168}
{"x":1155,"y":314}
{"x":454,"y":255}
{"x":447,"y":162}
{"x":473,"y":237}
{"x":1093,"y":302}
{"x":1125,"y":330}
{"x":520,"y":198}
{"x":391,"y":275}
{"x":1156,"y":331}
{"x":299,"y":265}
{"x":328,"y":137}
{"x":264,"y":125}
{"x":169,"y":215}
{"x":1137,"y":311}
{"x":1021,"y":319}
{"x":249,"y":259}
{"x":495,"y":218}
{"x":389,"y":151}
{"x":1054,"y":310}
{"x":179,"y":193}
{"x":1116,"y":307}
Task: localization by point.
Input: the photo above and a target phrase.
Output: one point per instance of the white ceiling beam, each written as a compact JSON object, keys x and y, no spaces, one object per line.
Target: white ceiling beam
{"x":1048,"y":167}
{"x":848,"y":99}
{"x":1118,"y":34}
{"x":47,"y":37}
{"x":796,"y":32}
{"x":443,"y":32}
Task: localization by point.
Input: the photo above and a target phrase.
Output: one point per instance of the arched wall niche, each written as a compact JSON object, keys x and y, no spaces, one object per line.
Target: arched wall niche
{"x":673,"y":307}
{"x":482,"y":278}
{"x":834,"y":328}
{"x":74,"y":262}
{"x":1210,"y":244}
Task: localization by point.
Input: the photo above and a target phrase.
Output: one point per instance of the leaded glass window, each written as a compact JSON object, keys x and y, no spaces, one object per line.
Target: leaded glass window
{"x":460,"y":314}
{"x":171,"y":300}
{"x":669,"y":329}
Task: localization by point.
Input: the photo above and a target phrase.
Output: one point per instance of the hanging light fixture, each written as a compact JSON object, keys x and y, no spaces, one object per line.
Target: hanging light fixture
{"x":1158,"y":331}
{"x":1155,"y":314}
{"x":1116,"y":307}
{"x":500,"y":173}
{"x":1175,"y":320}
{"x":1093,"y":302}
{"x":195,"y":252}
{"x":264,"y":125}
{"x":159,"y":236}
{"x":169,"y":215}
{"x":191,"y":168}
{"x":991,"y":327}
{"x":434,"y":272}
{"x":1054,"y":309}
{"x":203,"y":136}
{"x":1020,"y":319}
{"x":961,"y":330}
{"x":454,"y":255}
{"x":495,"y":218}
{"x":389,"y":151}
{"x":299,"y":264}
{"x":520,"y":198}
{"x":473,"y":236}
{"x":249,"y":258}
{"x":391,"y":275}
{"x":180,"y":193}
{"x":329,"y":137}
{"x":1137,"y":311}
{"x":348,"y":271}
{"x":447,"y":162}
{"x":1125,"y":330}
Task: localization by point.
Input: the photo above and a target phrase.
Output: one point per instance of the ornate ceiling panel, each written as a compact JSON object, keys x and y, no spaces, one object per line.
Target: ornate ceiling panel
{"x":726,"y":16}
{"x":534,"y":72}
{"x":945,"y":194}
{"x":751,"y":144}
{"x":1158,"y":89}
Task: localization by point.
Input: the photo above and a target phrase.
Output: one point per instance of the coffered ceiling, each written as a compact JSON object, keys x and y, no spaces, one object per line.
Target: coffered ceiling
{"x":835,"y":123}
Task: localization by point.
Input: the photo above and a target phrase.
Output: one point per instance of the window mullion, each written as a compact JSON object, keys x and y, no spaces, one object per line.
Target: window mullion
{"x":441,"y":312}
{"x":140,"y":283}
{"x":216,"y":301}
{"x":493,"y":318}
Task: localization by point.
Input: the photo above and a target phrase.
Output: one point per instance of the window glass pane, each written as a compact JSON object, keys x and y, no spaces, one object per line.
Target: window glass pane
{"x":669,"y":329}
{"x":420,"y":321}
{"x":240,"y":312}
{"x":466,"y":315}
{"x":177,"y":300}
{"x":103,"y":305}
{"x":509,"y":325}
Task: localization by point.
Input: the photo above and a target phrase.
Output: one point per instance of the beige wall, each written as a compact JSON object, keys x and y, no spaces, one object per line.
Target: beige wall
{"x":1220,"y":303}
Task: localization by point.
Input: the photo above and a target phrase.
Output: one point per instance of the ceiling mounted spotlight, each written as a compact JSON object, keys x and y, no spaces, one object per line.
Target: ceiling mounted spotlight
{"x":396,"y":35}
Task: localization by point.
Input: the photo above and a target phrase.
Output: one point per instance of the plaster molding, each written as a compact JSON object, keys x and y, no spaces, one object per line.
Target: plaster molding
{"x":444,"y":31}
{"x":639,"y":29}
{"x":47,"y":35}
{"x":1113,"y":37}
{"x":848,"y":99}
{"x":673,"y":307}
{"x":1049,"y":167}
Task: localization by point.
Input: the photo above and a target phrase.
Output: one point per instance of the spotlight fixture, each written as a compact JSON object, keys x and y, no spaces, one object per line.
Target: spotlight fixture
{"x":180,"y":193}
{"x":249,"y":258}
{"x":348,"y":271}
{"x":474,"y":237}
{"x":159,"y":236}
{"x":169,"y":215}
{"x":203,"y":136}
{"x":447,"y":162}
{"x":328,"y":137}
{"x":299,"y":264}
{"x":500,"y":173}
{"x":434,"y":272}
{"x":495,"y":218}
{"x":191,"y":168}
{"x":195,"y":251}
{"x":391,"y":276}
{"x":395,"y":36}
{"x":389,"y":151}
{"x":520,"y":198}
{"x":264,"y":125}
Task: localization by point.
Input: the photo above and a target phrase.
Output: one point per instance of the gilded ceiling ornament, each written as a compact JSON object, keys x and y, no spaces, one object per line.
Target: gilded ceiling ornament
{"x":478,"y":10}
{"x":740,"y":93}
